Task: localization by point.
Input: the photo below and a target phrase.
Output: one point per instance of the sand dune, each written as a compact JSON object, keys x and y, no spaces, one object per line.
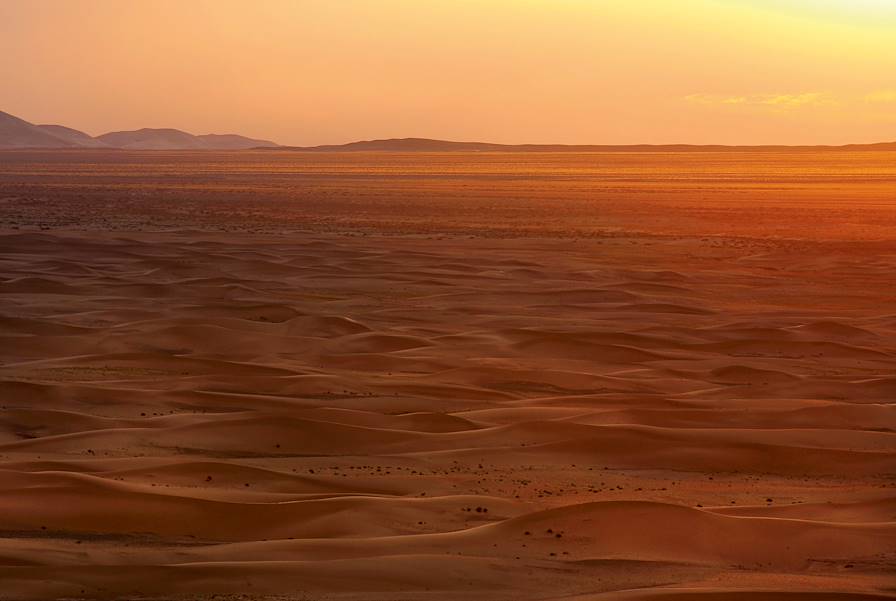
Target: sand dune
{"x":358,"y":412}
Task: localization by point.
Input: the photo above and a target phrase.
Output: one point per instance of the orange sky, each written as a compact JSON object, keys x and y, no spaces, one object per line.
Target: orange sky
{"x":570,"y":71}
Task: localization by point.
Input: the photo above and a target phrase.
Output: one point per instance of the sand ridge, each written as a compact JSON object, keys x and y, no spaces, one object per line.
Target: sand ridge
{"x":369,"y":415}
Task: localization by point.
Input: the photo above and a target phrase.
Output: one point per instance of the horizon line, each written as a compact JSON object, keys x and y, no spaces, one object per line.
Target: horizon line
{"x":403,"y":144}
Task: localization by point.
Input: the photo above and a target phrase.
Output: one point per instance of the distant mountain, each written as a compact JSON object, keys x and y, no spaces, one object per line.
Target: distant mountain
{"x":175,"y":139}
{"x":153,"y":139}
{"x":234,"y":142}
{"x":406,"y":145}
{"x":427,"y":145}
{"x":18,"y":133}
{"x":73,"y":136}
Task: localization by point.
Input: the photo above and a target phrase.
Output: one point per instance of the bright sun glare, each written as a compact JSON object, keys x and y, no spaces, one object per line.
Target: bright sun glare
{"x":853,"y":8}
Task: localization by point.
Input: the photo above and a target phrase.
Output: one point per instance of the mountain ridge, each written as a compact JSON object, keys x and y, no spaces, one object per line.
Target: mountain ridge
{"x":16,"y":133}
{"x":432,"y":145}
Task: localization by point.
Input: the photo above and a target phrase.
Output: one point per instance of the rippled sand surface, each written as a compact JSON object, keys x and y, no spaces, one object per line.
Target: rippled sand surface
{"x":439,"y":377}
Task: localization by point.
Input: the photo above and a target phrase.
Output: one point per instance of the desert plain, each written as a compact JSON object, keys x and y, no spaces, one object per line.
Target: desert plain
{"x":487,"y":376}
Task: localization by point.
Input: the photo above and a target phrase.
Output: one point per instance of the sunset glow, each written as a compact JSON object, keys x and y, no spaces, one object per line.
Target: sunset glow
{"x":562,"y":71}
{"x":377,"y":300}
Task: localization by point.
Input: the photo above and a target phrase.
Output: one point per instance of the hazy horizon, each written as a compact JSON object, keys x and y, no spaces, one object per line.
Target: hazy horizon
{"x":404,"y":358}
{"x":455,"y":141}
{"x":742,"y":72}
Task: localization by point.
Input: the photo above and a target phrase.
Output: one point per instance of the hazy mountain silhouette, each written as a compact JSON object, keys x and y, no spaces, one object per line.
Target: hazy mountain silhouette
{"x":175,"y":139}
{"x":152,"y":139}
{"x":234,"y":142}
{"x":75,"y":137}
{"x":18,"y":133}
{"x":428,"y":145}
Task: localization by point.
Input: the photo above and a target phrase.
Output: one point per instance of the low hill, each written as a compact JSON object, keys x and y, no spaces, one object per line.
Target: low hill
{"x":428,"y":145}
{"x":18,"y":133}
{"x":175,"y":139}
{"x":234,"y":142}
{"x":153,"y":139}
{"x":75,"y":137}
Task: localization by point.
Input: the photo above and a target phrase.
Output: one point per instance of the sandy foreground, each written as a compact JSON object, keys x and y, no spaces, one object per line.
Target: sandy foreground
{"x":546,"y":377}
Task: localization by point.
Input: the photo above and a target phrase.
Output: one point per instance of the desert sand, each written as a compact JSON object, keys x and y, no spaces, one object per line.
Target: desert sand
{"x":279,"y":375}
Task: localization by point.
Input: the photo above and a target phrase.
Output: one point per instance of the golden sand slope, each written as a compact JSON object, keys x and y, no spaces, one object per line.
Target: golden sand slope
{"x":577,"y":377}
{"x":318,"y":416}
